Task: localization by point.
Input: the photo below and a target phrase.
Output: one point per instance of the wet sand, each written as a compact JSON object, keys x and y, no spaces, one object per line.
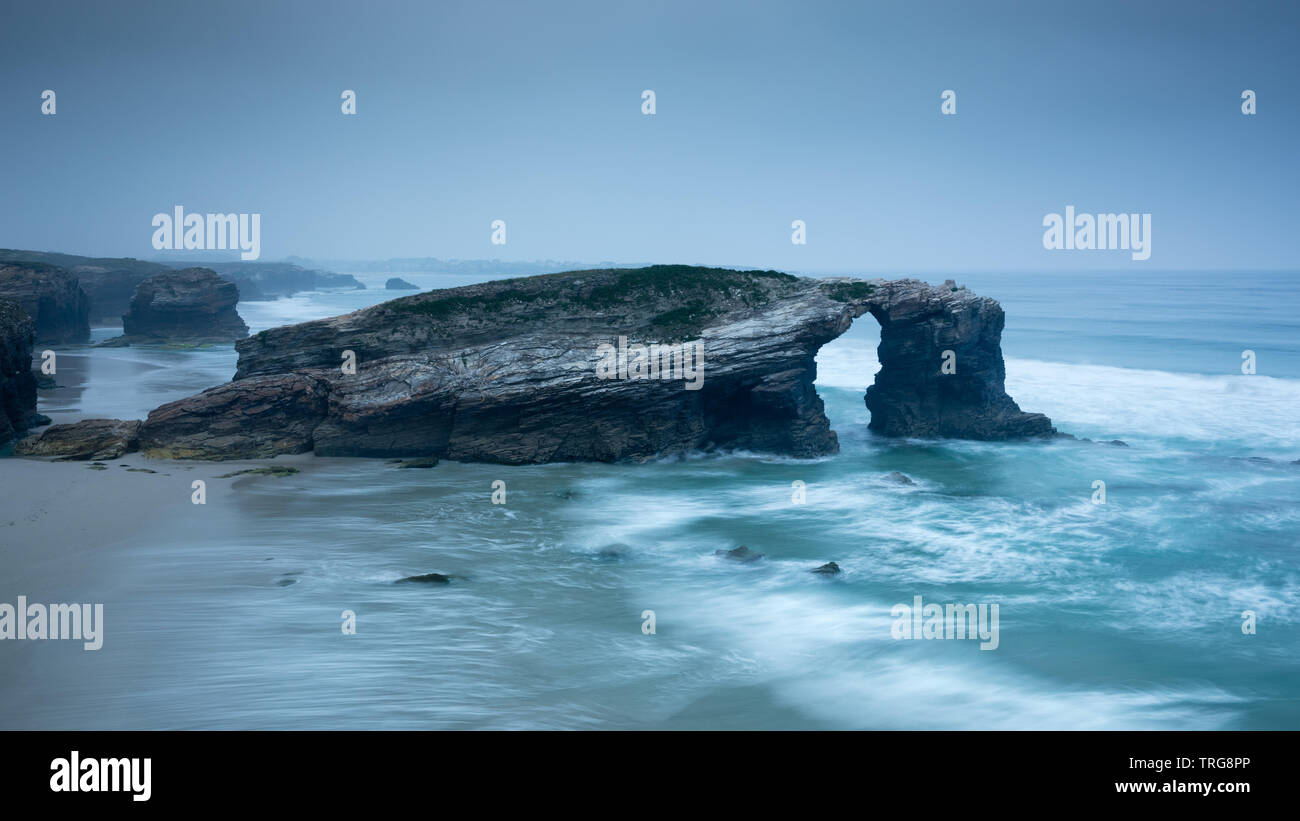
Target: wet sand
{"x":56,"y":514}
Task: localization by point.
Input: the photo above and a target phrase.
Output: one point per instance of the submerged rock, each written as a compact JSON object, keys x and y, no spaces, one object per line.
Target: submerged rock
{"x":85,"y":440}
{"x":828,"y":569}
{"x":899,"y":478}
{"x":510,"y":371}
{"x":426,"y":462}
{"x":740,"y":554}
{"x":52,"y":297}
{"x":399,"y":284}
{"x":278,"y":472}
{"x":194,"y":305}
{"x":427,"y":578}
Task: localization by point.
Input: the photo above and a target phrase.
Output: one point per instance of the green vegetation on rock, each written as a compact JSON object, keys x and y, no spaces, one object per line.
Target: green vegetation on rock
{"x":702,"y":295}
{"x":850,"y":291}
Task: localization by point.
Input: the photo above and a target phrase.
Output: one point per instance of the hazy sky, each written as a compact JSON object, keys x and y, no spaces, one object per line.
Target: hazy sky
{"x":767,"y":112}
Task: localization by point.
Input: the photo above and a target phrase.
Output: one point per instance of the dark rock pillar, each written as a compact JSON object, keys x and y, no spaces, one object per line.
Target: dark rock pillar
{"x":17,"y":385}
{"x":913,"y":396}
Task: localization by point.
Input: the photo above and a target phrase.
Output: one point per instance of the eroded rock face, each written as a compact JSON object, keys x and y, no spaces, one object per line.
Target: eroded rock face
{"x":507,"y":371}
{"x":191,"y":305}
{"x":250,"y":419}
{"x":52,"y":297}
{"x":108,"y":283}
{"x":87,"y":439}
{"x":913,"y":396}
{"x":17,"y":385}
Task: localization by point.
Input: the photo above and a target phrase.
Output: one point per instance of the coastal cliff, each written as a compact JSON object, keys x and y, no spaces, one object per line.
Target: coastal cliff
{"x":17,"y":384}
{"x":52,"y":297}
{"x":108,"y":283}
{"x":511,"y":371}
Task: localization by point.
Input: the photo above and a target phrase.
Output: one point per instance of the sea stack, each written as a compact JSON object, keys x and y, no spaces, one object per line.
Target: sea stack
{"x":191,"y":306}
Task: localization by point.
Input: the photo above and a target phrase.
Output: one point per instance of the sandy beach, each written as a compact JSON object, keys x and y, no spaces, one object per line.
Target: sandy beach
{"x":56,"y":513}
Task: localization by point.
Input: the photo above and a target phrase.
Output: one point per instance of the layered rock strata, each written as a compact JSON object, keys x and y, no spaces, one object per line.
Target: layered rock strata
{"x":546,"y":369}
{"x":192,"y":305}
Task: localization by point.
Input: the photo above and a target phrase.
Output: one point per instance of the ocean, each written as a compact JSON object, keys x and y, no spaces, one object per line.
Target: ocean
{"x":1122,"y":615}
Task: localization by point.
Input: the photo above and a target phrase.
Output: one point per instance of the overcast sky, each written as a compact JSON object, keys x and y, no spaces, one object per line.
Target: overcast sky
{"x":767,"y":112}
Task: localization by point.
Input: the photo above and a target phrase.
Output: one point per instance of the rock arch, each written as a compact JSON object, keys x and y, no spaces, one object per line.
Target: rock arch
{"x":506,"y":372}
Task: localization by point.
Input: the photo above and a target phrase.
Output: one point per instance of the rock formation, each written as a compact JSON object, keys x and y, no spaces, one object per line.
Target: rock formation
{"x":17,"y":385}
{"x":283,"y":410}
{"x":87,"y":439}
{"x":51,"y":296}
{"x":509,"y":371}
{"x":912,"y":394}
{"x":271,"y":280}
{"x":399,"y":284}
{"x":192,"y":305}
{"x":108,"y":283}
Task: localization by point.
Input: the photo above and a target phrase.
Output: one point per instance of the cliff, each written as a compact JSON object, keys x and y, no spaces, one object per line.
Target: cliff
{"x":107,"y":282}
{"x":52,"y":297}
{"x":510,"y":371}
{"x":17,"y":385}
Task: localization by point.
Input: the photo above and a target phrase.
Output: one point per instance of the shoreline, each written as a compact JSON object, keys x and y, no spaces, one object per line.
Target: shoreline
{"x":66,"y":512}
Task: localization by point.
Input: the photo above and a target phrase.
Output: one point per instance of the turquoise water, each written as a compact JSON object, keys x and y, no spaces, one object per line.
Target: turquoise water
{"x":1122,"y":615}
